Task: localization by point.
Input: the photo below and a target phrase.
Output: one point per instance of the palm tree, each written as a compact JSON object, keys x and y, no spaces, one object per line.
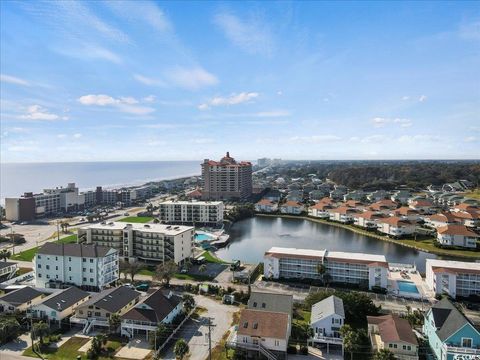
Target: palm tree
{"x":350,"y":339}
{"x":114,"y":321}
{"x":202,"y":268}
{"x":188,"y":303}
{"x":5,"y":254}
{"x":181,"y":349}
{"x":40,"y":330}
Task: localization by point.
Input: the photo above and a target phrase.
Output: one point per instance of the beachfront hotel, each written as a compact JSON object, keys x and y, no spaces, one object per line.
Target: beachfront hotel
{"x":144,"y":242}
{"x":226,"y":179}
{"x":455,"y":278}
{"x":343,"y":267}
{"x":208,"y":213}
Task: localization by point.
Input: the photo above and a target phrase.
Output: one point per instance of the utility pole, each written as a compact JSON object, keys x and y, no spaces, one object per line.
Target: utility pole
{"x":210,"y":325}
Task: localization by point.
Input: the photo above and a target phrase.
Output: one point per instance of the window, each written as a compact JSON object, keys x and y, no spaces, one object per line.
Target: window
{"x":91,"y":261}
{"x":255,"y":304}
{"x":69,"y":268}
{"x":48,"y":276}
{"x":84,"y":279}
{"x":91,"y":270}
{"x":56,"y":267}
{"x":91,"y":280}
{"x":277,"y":343}
{"x":84,"y":260}
{"x":467,"y":342}
{"x":97,"y":313}
{"x":39,"y":266}
{"x":39,"y":256}
{"x":69,"y":259}
{"x":39,"y":275}
{"x":390,"y":345}
{"x":255,"y":325}
{"x":394,"y":346}
{"x":404,"y":347}
{"x":70,"y":278}
{"x":48,"y":267}
{"x":245,"y":324}
{"x":409,"y":347}
{"x":264,"y":305}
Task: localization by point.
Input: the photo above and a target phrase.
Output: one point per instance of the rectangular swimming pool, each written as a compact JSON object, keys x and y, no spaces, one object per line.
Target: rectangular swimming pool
{"x":407,"y":286}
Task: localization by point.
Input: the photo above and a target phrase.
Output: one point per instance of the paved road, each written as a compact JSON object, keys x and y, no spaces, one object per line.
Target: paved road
{"x":196,"y":331}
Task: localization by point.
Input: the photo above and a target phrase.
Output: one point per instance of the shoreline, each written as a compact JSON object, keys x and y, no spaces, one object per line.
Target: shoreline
{"x":439,"y":252}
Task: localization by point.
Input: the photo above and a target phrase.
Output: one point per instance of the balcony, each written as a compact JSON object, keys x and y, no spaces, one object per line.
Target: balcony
{"x":460,"y":350}
{"x":327,"y":339}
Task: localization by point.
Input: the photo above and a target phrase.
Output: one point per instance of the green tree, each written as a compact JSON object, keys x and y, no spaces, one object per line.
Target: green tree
{"x":9,"y":329}
{"x":202,"y":268}
{"x":350,"y":339}
{"x":114,"y":322}
{"x":188,"y":303}
{"x":40,"y":330}
{"x":160,"y":335}
{"x":384,"y":354}
{"x":123,"y":268}
{"x":165,"y":272}
{"x":134,"y":268}
{"x":181,"y":349}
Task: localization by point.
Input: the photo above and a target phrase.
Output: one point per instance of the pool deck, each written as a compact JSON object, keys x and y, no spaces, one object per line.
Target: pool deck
{"x":416,"y":278}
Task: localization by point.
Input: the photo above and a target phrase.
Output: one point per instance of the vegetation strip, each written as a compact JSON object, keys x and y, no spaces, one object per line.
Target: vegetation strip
{"x":420,"y":245}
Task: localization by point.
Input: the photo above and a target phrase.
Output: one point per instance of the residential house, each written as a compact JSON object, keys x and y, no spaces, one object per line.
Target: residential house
{"x":357,"y":195}
{"x":449,"y":333}
{"x":384,"y":205}
{"x":146,"y":315}
{"x":316,"y":195}
{"x":469,"y":219}
{"x":273,"y":195}
{"x":395,"y":226}
{"x":457,"y":235}
{"x":423,"y":206}
{"x":455,"y":278}
{"x":377,"y":195}
{"x":393,"y":333}
{"x":319,"y":210}
{"x":7,"y":270}
{"x":98,"y":309}
{"x":343,"y":214}
{"x":19,"y":300}
{"x":326,"y":319}
{"x":337,"y":193}
{"x":400,"y":196}
{"x":367,"y":219}
{"x":295,"y":195}
{"x":406,"y":213}
{"x":442,"y":219}
{"x":264,"y":301}
{"x":291,"y":207}
{"x":266,"y":206}
{"x":59,"y":305}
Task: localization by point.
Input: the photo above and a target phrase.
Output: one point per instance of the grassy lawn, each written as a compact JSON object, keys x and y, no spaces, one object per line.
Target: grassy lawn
{"x":192,"y":277}
{"x":209,"y":257}
{"x":21,"y":271}
{"x":137,"y":219}
{"x":29,"y":254}
{"x":148,"y":272}
{"x":475,"y":194}
{"x":67,"y":351}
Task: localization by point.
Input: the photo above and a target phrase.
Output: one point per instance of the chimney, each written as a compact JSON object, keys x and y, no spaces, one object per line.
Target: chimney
{"x":228,"y":154}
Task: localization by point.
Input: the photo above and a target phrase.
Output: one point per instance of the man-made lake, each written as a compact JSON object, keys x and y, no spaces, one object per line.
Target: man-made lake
{"x":250,"y":238}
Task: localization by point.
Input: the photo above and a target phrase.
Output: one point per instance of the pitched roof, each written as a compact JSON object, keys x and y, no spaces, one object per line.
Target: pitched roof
{"x":154,"y":308}
{"x":264,"y":301}
{"x":5,"y":264}
{"x":393,"y":328}
{"x":292,"y":204}
{"x":78,"y":250}
{"x":394,"y":220}
{"x":456,"y":230}
{"x":321,"y":206}
{"x":343,"y":210}
{"x":66,"y":298}
{"x":265,"y":202}
{"x":114,"y":299}
{"x":369,"y":215}
{"x":405,"y":210}
{"x":448,"y":319}
{"x":266,"y":324}
{"x":443,"y":217}
{"x":326,"y":307}
{"x":21,"y":296}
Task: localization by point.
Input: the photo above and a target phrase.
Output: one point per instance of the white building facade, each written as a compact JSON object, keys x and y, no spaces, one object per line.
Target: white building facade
{"x":208,"y":213}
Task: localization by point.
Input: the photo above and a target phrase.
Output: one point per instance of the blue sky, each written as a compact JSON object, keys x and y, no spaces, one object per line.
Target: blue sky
{"x":99,"y":81}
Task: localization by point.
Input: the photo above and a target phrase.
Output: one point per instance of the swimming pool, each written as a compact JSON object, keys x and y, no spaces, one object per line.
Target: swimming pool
{"x":407,"y":286}
{"x":202,"y":237}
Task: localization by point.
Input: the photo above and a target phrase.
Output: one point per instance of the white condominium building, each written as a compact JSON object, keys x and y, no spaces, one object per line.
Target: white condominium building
{"x":146,"y":242}
{"x":455,"y":278}
{"x":352,"y":268}
{"x":89,"y":267}
{"x":208,"y":213}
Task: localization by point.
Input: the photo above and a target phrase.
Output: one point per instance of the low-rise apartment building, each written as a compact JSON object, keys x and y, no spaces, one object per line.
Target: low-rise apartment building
{"x":393,"y":333}
{"x":406,"y":213}
{"x":384,"y":205}
{"x":266,"y":206}
{"x":145,"y":242}
{"x":206,"y":213}
{"x":319,"y":210}
{"x":455,"y":278}
{"x":457,"y":235}
{"x":395,"y":226}
{"x":364,"y":270}
{"x":343,"y":214}
{"x":91,"y":267}
{"x":367,"y":219}
{"x":292,"y":208}
{"x":438,"y":220}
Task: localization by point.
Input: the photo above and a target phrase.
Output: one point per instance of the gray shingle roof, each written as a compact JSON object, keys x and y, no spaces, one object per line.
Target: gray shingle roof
{"x":158,"y":306}
{"x":21,"y":296}
{"x":447,"y":319}
{"x":114,"y":299}
{"x":270,"y":302}
{"x":326,"y":307}
{"x":5,"y":264}
{"x":79,"y":250}
{"x":65,"y":299}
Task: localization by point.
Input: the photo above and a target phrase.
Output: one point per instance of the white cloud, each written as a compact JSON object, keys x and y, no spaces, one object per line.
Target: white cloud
{"x":422,"y":98}
{"x":61,"y":136}
{"x":148,"y":80}
{"x":191,"y":78}
{"x":315,"y":139}
{"x":90,"y":52}
{"x":405,"y":98}
{"x":273,"y":113}
{"x":374,"y":139}
{"x":124,"y":104}
{"x":418,"y":138}
{"x":36,"y":112}
{"x":252,"y":36}
{"x":470,"y":31}
{"x":13,"y":80}
{"x":379,"y":122}
{"x":233,"y":99}
{"x":204,"y":141}
{"x":471,"y":139}
{"x":149,"y":99}
{"x":148,"y":12}
{"x":279,"y":92}
{"x":77,"y":136}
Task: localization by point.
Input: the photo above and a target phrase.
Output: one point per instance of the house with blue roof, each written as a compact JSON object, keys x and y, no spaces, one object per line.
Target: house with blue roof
{"x":450,"y":334}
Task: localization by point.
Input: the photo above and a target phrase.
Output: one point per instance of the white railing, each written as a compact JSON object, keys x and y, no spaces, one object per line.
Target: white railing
{"x":461,"y":350}
{"x":254,"y":347}
{"x":329,"y":339}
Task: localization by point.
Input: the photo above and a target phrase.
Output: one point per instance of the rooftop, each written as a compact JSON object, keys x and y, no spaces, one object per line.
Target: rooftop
{"x":152,"y":228}
{"x":270,"y":302}
{"x":457,"y":230}
{"x":450,"y":264}
{"x":171,"y":202}
{"x":114,"y":299}
{"x":21,"y":296}
{"x":393,"y":329}
{"x":66,"y":298}
{"x":79,"y":250}
{"x":266,"y":324}
{"x":339,"y":255}
{"x":326,"y":307}
{"x":154,"y":308}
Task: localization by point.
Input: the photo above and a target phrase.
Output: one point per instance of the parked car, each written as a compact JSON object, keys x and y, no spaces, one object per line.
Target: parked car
{"x":126,"y":214}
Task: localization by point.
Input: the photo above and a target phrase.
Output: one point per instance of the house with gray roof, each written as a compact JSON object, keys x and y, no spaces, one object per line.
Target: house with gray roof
{"x":145,"y":316}
{"x":7,"y":270}
{"x":326,"y":319}
{"x":265,"y":301}
{"x":59,"y":305}
{"x":450,"y":334}
{"x":19,"y":300}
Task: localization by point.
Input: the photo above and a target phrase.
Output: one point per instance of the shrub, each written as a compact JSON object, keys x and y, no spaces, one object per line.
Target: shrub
{"x":291,"y":349}
{"x":304,"y":350}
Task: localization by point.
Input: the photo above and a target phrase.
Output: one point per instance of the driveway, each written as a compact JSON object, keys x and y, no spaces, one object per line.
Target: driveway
{"x":138,"y":348}
{"x":195,"y":331}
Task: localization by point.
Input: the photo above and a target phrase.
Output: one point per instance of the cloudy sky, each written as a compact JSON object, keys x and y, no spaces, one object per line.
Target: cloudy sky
{"x":94,"y":81}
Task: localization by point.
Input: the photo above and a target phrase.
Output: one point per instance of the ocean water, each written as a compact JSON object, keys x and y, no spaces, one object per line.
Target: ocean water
{"x":17,"y":178}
